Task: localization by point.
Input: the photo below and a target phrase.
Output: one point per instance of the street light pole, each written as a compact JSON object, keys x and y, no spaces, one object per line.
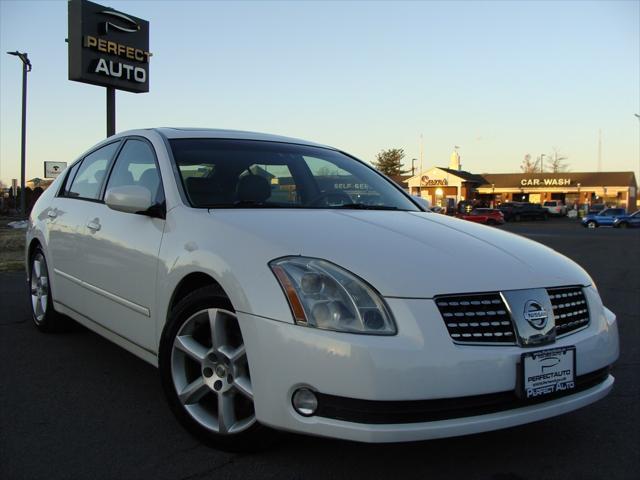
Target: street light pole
{"x":26,"y":68}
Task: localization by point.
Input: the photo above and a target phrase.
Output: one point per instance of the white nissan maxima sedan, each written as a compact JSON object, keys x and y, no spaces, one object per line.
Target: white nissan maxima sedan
{"x":279,"y":283}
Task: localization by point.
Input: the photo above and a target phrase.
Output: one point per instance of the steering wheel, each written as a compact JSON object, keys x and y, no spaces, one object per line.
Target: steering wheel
{"x":331,"y":197}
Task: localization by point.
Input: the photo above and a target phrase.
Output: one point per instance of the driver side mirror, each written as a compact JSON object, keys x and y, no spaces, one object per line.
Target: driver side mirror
{"x":129,"y":199}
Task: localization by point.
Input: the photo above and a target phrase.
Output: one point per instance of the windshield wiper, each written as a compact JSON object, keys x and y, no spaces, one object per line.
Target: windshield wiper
{"x":245,"y":204}
{"x":364,"y":206}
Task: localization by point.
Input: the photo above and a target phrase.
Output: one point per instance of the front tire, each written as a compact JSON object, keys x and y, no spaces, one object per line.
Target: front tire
{"x":623,"y":225}
{"x":45,"y":318}
{"x":205,"y":373}
{"x":592,"y":224}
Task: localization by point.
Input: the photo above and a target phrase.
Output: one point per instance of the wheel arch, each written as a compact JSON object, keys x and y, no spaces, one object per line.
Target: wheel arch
{"x":35,"y":243}
{"x":190,"y":282}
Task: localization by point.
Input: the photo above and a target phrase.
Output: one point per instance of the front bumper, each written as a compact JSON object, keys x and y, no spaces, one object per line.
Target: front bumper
{"x":419,"y":364}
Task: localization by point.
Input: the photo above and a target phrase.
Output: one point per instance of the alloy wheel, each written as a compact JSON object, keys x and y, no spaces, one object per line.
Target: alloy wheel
{"x":39,"y":287}
{"x":210,"y":372}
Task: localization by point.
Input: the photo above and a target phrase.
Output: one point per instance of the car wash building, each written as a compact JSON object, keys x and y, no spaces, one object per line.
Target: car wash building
{"x":572,"y":188}
{"x":446,"y":187}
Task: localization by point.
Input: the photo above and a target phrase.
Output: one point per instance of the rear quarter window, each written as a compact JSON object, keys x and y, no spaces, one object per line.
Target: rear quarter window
{"x":69,"y":179}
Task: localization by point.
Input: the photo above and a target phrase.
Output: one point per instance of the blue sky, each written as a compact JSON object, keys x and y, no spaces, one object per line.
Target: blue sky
{"x":499,"y":79}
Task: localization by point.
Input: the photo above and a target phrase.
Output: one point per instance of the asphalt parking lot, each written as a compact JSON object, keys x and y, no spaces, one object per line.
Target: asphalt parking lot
{"x":77,"y":406}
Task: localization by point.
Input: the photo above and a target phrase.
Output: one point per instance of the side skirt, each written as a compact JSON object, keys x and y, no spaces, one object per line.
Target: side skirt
{"x":146,"y":355}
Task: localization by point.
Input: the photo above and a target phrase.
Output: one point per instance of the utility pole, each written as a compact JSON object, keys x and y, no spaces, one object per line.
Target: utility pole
{"x":26,"y":68}
{"x":638,"y":117}
{"x":599,"y":150}
{"x":421,"y":152}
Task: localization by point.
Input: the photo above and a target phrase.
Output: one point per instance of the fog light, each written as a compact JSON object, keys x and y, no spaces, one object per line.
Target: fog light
{"x":304,"y":402}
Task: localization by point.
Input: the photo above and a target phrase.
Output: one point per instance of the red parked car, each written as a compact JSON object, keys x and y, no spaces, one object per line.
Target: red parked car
{"x":488,"y":216}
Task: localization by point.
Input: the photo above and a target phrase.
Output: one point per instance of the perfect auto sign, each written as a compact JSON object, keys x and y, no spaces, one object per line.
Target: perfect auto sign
{"x":108,"y":48}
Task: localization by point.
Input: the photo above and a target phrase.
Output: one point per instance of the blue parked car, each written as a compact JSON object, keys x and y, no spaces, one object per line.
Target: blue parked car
{"x":605,"y":218}
{"x":628,"y":221}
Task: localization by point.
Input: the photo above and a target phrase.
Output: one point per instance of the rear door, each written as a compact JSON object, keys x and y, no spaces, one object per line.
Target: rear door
{"x":66,"y":220}
{"x":609,"y":215}
{"x":122,"y":251}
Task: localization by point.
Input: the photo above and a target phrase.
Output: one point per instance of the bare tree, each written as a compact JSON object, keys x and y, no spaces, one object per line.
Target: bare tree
{"x":528,"y":165}
{"x":556,"y":162}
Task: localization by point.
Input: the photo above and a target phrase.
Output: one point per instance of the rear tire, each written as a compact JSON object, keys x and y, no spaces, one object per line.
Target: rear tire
{"x":517,"y":217}
{"x":592,"y":224}
{"x":623,"y":225}
{"x":205,"y":373}
{"x":45,"y":318}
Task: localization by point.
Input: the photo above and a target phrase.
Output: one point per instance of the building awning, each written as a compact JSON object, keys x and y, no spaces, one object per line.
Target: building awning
{"x":556,"y":180}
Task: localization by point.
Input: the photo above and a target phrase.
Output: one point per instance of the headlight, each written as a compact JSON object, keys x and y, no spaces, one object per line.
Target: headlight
{"x":323,"y":295}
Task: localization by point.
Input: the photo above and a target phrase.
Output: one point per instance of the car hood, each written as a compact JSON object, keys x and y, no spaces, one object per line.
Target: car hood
{"x":405,"y":254}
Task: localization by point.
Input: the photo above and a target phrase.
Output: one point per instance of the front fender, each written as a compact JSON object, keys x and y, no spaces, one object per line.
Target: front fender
{"x":243,"y":273}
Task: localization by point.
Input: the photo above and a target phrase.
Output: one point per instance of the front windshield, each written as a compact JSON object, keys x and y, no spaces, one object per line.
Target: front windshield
{"x":222,"y":173}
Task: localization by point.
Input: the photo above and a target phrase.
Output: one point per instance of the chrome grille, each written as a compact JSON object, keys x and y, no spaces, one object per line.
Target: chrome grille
{"x":569,"y":309}
{"x":477,"y":318}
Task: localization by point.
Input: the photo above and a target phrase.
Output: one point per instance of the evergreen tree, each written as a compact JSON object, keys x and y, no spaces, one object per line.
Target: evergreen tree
{"x":389,"y":161}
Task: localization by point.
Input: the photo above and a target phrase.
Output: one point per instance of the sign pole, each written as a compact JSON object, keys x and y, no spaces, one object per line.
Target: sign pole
{"x":111,"y":111}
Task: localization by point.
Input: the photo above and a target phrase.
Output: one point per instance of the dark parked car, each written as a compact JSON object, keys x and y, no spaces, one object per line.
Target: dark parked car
{"x":628,"y":221}
{"x":605,"y":218}
{"x":517,"y":211}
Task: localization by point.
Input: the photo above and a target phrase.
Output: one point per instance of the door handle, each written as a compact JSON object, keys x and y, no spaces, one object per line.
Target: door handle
{"x":52,"y":214}
{"x":94,"y":225}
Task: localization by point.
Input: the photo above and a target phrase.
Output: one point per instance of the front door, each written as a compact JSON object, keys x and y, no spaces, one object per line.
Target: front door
{"x":122,"y":252}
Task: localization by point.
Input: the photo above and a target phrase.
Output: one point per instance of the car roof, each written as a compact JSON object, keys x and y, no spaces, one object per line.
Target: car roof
{"x":175,"y":133}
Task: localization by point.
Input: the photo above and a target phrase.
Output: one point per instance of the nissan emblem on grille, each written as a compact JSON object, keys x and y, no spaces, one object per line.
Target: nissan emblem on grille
{"x":532,"y":315}
{"x":535,"y":314}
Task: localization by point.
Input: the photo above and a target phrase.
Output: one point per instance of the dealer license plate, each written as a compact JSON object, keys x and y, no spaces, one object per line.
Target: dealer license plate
{"x":546,"y":372}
